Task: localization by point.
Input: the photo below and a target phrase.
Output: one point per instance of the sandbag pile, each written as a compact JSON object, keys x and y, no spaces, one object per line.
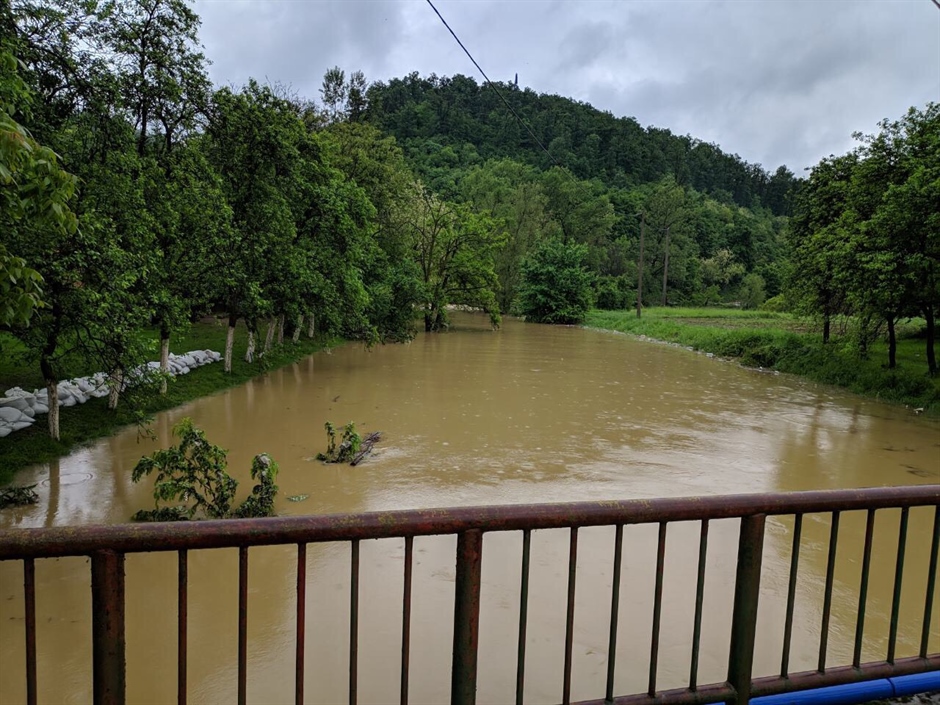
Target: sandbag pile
{"x":18,"y":407}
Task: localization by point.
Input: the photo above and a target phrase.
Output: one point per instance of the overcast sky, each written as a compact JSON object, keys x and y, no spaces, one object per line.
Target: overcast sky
{"x":777,"y":82}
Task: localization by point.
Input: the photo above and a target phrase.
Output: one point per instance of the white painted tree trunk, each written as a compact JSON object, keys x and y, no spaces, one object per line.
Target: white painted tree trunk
{"x":269,"y":337}
{"x":310,"y":327}
{"x":250,"y":352}
{"x":114,"y":388}
{"x":53,"y":389}
{"x":280,"y":329}
{"x":229,"y":344}
{"x":164,"y":362}
{"x":300,"y":324}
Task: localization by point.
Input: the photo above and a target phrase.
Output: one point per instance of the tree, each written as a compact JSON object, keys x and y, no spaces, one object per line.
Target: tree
{"x":510,"y":193}
{"x":34,"y":194}
{"x":556,"y":285}
{"x":455,"y":250}
{"x":667,"y":220}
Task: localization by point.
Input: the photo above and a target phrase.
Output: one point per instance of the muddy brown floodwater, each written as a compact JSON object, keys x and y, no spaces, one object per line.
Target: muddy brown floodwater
{"x":526,"y":414}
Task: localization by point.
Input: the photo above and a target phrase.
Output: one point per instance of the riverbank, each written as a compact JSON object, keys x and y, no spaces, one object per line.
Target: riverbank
{"x":782,"y":342}
{"x":92,"y":420}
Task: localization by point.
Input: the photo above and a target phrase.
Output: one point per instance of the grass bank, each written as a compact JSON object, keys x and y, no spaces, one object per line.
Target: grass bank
{"x":782,"y":342}
{"x":86,"y":422}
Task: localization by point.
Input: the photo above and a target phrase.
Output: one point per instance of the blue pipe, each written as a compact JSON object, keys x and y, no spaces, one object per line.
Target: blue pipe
{"x":857,"y":693}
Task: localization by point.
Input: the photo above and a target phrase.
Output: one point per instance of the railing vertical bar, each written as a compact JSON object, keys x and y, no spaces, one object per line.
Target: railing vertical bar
{"x":827,"y":596}
{"x":657,"y":608}
{"x":354,"y":624}
{"x":863,"y":588}
{"x":182,"y":623}
{"x":29,"y":607}
{"x":898,"y":577}
{"x":569,"y":621}
{"x":931,"y":582}
{"x":791,"y":594}
{"x":699,"y":600}
{"x":463,"y":684}
{"x":242,"y":625}
{"x":523,"y":615}
{"x":744,"y":612}
{"x":299,"y":662}
{"x":107,"y":614}
{"x":614,"y":612}
{"x":406,"y":618}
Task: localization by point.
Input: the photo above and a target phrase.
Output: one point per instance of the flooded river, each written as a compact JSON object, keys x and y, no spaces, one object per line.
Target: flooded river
{"x":526,"y":414}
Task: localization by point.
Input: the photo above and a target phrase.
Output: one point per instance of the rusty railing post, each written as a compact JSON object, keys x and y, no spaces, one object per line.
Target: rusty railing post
{"x":463,"y":684}
{"x":107,"y":610}
{"x":744,"y":616}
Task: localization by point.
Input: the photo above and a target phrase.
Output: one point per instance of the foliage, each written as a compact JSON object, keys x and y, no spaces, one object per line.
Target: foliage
{"x":455,"y":250}
{"x":193,"y":475}
{"x":866,"y":232}
{"x":260,"y":503}
{"x":752,"y":291}
{"x":348,"y":448}
{"x":556,"y":286}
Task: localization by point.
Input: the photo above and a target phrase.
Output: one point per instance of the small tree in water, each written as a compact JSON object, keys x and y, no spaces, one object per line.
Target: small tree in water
{"x":348,"y":447}
{"x":193,"y":475}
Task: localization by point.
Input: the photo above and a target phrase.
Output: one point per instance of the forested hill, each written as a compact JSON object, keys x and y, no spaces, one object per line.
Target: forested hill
{"x":441,"y":120}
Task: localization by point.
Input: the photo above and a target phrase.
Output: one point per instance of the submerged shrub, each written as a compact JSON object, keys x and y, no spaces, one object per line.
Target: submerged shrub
{"x":192,"y":475}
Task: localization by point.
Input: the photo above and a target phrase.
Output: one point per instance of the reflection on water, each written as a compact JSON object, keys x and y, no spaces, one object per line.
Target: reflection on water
{"x":525,"y":414}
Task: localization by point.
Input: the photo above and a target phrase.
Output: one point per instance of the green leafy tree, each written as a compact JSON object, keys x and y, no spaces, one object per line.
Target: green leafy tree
{"x":454,"y":249}
{"x":192,"y":475}
{"x":556,"y":285}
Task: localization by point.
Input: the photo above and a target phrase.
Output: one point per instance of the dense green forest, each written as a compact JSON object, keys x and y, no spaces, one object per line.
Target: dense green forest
{"x":135,"y":197}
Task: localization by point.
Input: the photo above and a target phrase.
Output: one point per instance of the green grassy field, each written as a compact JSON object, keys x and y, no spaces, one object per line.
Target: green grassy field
{"x":86,"y":422}
{"x":786,"y":343}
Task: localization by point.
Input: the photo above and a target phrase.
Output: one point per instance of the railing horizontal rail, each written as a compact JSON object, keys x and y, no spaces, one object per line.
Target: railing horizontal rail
{"x":232,"y":533}
{"x":108,"y":546}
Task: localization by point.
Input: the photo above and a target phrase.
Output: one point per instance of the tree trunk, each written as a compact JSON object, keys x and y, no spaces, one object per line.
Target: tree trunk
{"x":827,"y":322}
{"x":52,"y":386}
{"x":931,"y":337}
{"x":892,"y":343}
{"x":230,"y":342}
{"x":666,"y":267}
{"x":428,"y":322}
{"x":639,"y":278}
{"x":280,"y":330}
{"x":300,"y":324}
{"x":164,"y":358}
{"x":250,"y":352}
{"x":310,"y":327}
{"x":269,"y":338}
{"x":114,"y":387}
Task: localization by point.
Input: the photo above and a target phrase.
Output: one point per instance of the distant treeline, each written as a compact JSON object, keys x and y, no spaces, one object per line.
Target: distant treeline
{"x":456,"y":111}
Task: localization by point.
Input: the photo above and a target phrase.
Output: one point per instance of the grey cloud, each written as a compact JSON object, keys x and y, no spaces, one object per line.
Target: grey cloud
{"x":776,"y":82}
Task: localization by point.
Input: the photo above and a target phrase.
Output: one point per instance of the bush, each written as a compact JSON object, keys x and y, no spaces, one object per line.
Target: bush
{"x":556,"y":286}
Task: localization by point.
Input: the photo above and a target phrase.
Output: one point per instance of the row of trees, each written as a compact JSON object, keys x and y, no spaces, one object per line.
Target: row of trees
{"x":866,"y":233}
{"x":139,"y":199}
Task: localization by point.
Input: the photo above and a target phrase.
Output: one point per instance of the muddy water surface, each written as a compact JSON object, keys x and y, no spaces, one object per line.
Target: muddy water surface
{"x":526,"y":414}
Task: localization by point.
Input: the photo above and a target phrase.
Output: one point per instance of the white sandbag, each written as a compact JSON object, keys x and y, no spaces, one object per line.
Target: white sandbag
{"x":10,"y":415}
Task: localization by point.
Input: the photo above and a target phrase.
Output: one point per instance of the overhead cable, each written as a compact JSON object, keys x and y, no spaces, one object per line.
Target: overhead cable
{"x":491,"y":84}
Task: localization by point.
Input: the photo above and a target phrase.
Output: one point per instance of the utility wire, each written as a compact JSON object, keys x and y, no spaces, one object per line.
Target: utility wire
{"x":491,"y":84}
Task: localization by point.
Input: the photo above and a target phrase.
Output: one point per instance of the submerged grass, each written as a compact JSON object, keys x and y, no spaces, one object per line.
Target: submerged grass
{"x":783,"y":342}
{"x":86,"y":422}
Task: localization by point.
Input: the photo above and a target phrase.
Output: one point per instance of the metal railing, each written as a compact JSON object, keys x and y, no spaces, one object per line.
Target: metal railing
{"x":108,"y":545}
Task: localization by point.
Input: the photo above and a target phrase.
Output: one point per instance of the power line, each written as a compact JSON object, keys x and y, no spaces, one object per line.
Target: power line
{"x":491,"y":84}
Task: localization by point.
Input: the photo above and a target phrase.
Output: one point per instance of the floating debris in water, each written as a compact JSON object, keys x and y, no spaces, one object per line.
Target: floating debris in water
{"x":297,"y":497}
{"x":17,"y":496}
